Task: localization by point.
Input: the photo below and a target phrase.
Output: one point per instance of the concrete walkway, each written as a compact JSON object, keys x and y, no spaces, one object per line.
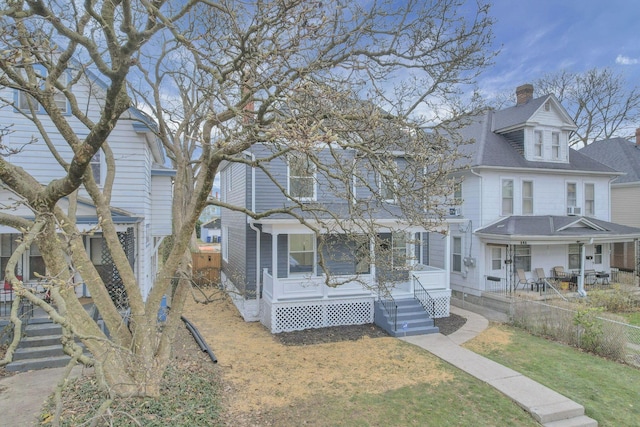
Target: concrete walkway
{"x":23,"y":395}
{"x":546,"y":406}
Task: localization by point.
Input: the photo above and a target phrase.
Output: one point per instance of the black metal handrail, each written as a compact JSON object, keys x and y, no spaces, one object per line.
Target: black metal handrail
{"x":390,"y":306}
{"x":427,"y":301}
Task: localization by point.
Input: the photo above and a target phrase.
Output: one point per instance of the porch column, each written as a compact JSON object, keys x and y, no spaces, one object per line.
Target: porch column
{"x":372,"y":264}
{"x":274,"y":257}
{"x":581,"y":290}
{"x":447,"y":258}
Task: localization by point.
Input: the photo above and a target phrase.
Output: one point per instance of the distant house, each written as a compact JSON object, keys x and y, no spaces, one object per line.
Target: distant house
{"x":211,"y":231}
{"x":530,"y":201}
{"x":142,"y":191}
{"x":623,"y":156}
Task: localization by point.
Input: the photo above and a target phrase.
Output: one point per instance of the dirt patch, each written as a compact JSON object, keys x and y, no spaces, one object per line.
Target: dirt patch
{"x":266,"y":371}
{"x":490,"y":339}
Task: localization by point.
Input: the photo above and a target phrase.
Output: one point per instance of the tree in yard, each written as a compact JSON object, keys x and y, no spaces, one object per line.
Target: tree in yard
{"x":600,"y":102}
{"x":304,"y":81}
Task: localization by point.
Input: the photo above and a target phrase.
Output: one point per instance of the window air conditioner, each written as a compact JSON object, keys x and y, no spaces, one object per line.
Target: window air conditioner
{"x":574,"y":210}
{"x":455,"y":211}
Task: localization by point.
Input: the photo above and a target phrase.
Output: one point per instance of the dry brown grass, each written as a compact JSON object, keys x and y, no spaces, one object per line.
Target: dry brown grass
{"x":263,"y":373}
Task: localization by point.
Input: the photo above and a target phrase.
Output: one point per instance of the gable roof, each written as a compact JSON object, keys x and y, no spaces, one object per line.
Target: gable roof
{"x":546,"y":228}
{"x":619,"y":154}
{"x":518,"y":114}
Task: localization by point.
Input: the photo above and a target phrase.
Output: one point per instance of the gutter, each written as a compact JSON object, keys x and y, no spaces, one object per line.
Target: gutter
{"x":258,"y":233}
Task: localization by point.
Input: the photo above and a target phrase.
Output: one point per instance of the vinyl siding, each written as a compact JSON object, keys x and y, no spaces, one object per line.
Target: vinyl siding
{"x":625,"y":205}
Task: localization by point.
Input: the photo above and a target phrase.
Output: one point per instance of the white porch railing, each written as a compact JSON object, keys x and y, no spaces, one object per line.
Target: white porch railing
{"x":286,"y":289}
{"x":314,"y":287}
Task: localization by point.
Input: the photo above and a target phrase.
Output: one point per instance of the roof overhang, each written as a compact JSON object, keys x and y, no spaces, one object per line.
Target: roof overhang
{"x":554,"y":230}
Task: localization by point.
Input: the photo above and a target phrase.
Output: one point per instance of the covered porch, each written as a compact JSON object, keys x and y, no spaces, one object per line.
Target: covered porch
{"x":539,"y":251}
{"x":300,"y":293}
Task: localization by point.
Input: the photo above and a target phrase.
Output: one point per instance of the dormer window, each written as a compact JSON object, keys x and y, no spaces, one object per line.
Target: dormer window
{"x":538,"y":143}
{"x":555,"y":145}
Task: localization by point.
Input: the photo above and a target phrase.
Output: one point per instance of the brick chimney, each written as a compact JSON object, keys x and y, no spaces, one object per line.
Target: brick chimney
{"x":637,"y":137}
{"x":524,"y":94}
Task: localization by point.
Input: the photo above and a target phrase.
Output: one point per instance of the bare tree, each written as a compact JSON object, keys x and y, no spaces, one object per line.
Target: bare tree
{"x":347,"y":87}
{"x":601,"y":102}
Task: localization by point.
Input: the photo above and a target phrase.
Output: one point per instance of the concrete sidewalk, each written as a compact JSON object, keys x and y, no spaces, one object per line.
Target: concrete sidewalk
{"x":23,"y":395}
{"x":546,"y":406}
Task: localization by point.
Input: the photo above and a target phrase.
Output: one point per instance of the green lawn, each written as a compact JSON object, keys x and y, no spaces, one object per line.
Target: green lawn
{"x":633,"y":318}
{"x":609,"y":391}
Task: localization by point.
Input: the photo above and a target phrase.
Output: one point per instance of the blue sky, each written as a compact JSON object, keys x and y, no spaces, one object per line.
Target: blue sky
{"x":540,"y":36}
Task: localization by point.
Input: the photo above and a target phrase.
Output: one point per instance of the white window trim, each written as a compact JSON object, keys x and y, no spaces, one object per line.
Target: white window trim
{"x":524,"y":181}
{"x":315,"y":257}
{"x":454,"y":254}
{"x":559,"y":146}
{"x":502,"y":182}
{"x":225,"y":242}
{"x":593,"y":185}
{"x":315,"y":184}
{"x":38,"y":108}
{"x":538,"y":143}
{"x":566,"y":193}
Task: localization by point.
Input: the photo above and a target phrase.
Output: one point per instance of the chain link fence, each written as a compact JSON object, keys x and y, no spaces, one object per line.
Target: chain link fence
{"x":584,"y":327}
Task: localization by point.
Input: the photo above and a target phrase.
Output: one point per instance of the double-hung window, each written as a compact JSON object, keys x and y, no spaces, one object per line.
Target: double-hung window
{"x":507,"y":197}
{"x":25,"y":101}
{"x":522,"y":257}
{"x":302,"y":254}
{"x":96,"y":168}
{"x":589,"y":199}
{"x":538,"y":143}
{"x":555,"y":145}
{"x":527,"y":197}
{"x":387,"y":181}
{"x":302,"y":177}
{"x":572,"y":194}
{"x":456,"y":255}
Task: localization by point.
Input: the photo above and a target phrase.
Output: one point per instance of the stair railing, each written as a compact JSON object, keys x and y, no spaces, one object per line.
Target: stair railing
{"x":390,"y":306}
{"x":424,"y":298}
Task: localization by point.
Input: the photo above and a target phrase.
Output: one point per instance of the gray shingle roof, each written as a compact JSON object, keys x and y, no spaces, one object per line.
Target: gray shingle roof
{"x":558,"y":226}
{"x":517,"y":114}
{"x":619,"y":154}
{"x":492,"y":149}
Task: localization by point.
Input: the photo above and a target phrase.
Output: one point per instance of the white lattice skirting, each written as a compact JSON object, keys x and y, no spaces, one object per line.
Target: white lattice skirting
{"x":295,"y":316}
{"x":441,"y":303}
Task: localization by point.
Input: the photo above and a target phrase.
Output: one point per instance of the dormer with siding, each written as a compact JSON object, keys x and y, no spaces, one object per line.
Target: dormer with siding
{"x":538,"y":129}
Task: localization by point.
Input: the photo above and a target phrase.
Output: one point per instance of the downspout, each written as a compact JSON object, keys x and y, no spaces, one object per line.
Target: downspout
{"x":257,"y":230}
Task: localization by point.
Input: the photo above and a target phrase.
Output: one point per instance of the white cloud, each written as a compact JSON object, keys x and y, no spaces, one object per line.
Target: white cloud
{"x":625,"y":60}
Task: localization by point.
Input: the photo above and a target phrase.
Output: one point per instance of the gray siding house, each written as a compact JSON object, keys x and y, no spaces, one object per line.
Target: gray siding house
{"x":271,"y":266}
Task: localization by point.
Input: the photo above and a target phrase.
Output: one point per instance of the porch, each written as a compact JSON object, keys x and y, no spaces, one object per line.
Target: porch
{"x":297,"y":303}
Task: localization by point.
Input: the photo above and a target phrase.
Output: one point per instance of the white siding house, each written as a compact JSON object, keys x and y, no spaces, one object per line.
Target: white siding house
{"x":142,"y":190}
{"x":530,"y":201}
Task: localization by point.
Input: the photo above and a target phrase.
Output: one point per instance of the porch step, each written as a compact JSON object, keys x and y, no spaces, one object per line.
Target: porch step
{"x":580,"y":421}
{"x":412,"y":319}
{"x":42,"y":329}
{"x":40,"y":347}
{"x":38,"y":363}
